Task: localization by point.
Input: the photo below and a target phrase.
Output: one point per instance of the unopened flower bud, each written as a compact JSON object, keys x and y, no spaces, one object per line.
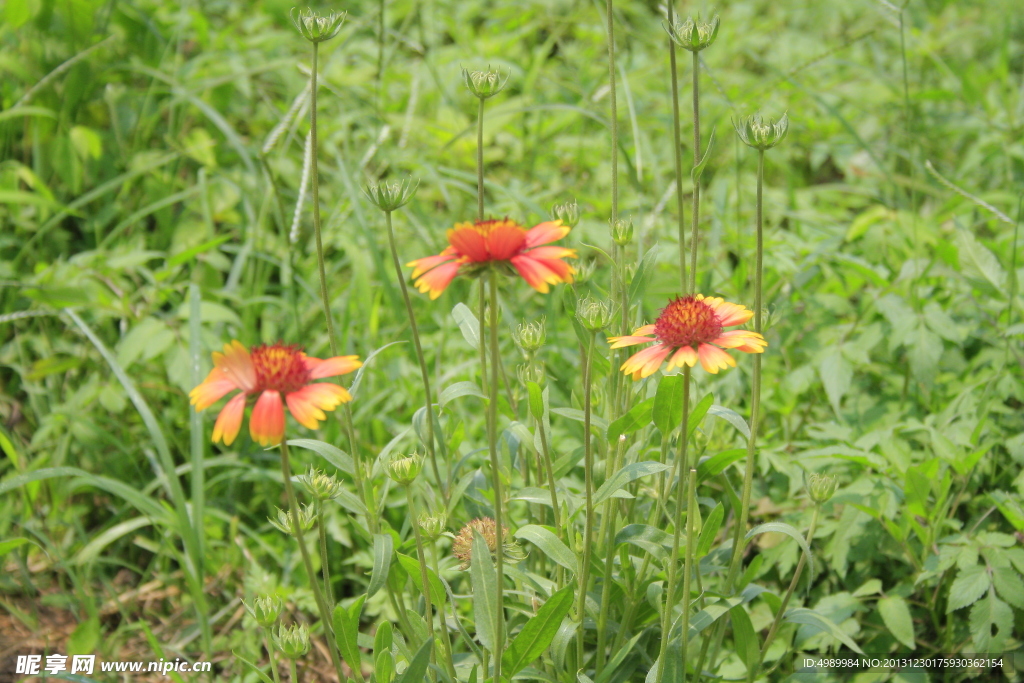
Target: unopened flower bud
{"x":320,"y":485}
{"x":484,"y":84}
{"x":568,"y":213}
{"x":761,"y":133}
{"x":593,"y":314}
{"x":317,"y":28}
{"x":530,"y":336}
{"x":622,"y":231}
{"x":693,"y":34}
{"x":433,"y":526}
{"x":307,"y":519}
{"x":293,"y":641}
{"x":265,"y":610}
{"x":531,"y":372}
{"x":404,"y":470}
{"x":390,"y":195}
{"x":820,"y":487}
{"x":584,"y":271}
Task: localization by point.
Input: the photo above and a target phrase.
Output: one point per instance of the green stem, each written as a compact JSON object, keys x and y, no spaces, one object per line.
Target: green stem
{"x":315,"y":180}
{"x":294,"y":671}
{"x":588,"y":469}
{"x":614,"y":109}
{"x":325,"y":617}
{"x":785,"y":600}
{"x":322,"y":533}
{"x":549,"y":470}
{"x":492,"y":438}
{"x":480,"y":162}
{"x":425,"y":581}
{"x":673,"y":560}
{"x":755,"y":393}
{"x":607,"y":532}
{"x":424,"y":372}
{"x":357,"y":471}
{"x":271,"y":656}
{"x":691,"y":517}
{"x":678,"y":147}
{"x":695,"y":220}
{"x":446,"y":639}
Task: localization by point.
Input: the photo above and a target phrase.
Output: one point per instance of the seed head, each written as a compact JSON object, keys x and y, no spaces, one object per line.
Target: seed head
{"x":404,"y":470}
{"x":390,"y":195}
{"x":462,"y":546}
{"x":485,"y":84}
{"x":321,"y":485}
{"x":761,"y":133}
{"x":317,"y":28}
{"x":693,"y":34}
{"x":292,"y":641}
{"x":530,"y":336}
{"x":568,"y":213}
{"x":307,"y":519}
{"x":265,"y":610}
{"x":820,"y":487}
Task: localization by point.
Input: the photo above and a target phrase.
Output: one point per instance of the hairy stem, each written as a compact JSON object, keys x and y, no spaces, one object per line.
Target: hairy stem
{"x":315,"y":181}
{"x":588,"y":468}
{"x":422,"y":557}
{"x":678,"y":148}
{"x":492,"y":438}
{"x":695,"y":219}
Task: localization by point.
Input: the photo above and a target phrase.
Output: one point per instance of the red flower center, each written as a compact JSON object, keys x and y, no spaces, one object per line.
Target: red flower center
{"x":687,"y":321}
{"x":279,"y":368}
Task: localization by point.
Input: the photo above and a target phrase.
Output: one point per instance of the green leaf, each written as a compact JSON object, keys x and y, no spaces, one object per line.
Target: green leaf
{"x":384,"y":667}
{"x":346,"y":631}
{"x":627,"y":474}
{"x":709,"y":530}
{"x":484,"y":581}
{"x":970,"y":584}
{"x":573,"y":414}
{"x":809,"y":617}
{"x":978,"y":264}
{"x":713,"y":612}
{"x":367,"y":362}
{"x":698,"y":170}
{"x":668,"y":404}
{"x":332,"y":454}
{"x":1010,"y":508}
{"x":458,"y":390}
{"x":262,"y":676}
{"x":10,"y":544}
{"x":988,"y":614}
{"x":610,"y":669}
{"x":638,"y":417}
{"x":383,"y":548}
{"x":837,"y":375}
{"x":549,"y":544}
{"x":896,"y":615}
{"x":468,"y":323}
{"x":383,"y":639}
{"x":744,"y":636}
{"x":417,"y":669}
{"x":538,"y":632}
{"x":716,"y":464}
{"x":698,"y":412}
{"x":648,"y":538}
{"x":411,"y":565}
{"x":924,"y":350}
{"x":732,"y":417}
{"x":536,"y":400}
{"x":1007,"y":582}
{"x":85,"y":638}
{"x":783,"y":528}
{"x":643,"y":274}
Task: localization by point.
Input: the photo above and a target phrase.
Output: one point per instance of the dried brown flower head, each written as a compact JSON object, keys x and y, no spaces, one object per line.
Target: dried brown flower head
{"x":462,"y":546}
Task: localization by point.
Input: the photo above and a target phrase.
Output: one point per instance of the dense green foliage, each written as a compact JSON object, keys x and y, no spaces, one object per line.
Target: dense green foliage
{"x":166,"y":158}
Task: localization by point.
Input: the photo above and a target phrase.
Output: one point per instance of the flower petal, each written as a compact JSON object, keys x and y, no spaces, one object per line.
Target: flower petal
{"x":505,"y":240}
{"x":546,"y":232}
{"x":236,"y":363}
{"x":437,"y":280}
{"x":628,"y":340}
{"x":741,"y":340}
{"x":212,"y":389}
{"x":714,"y":359}
{"x":645,"y":363}
{"x":730,"y":314}
{"x":308,"y":403}
{"x":266,"y":426}
{"x":422,"y":265}
{"x":684,"y":355}
{"x":229,"y":421}
{"x":469,"y":242}
{"x":536,"y":274}
{"x":646,"y":329}
{"x":331,"y":367}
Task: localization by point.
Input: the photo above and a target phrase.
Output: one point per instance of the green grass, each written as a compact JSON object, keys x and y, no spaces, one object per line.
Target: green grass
{"x":139,"y":173}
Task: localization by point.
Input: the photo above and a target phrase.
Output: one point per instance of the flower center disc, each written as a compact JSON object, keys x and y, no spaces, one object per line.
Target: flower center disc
{"x":279,"y":368}
{"x":686,"y":322}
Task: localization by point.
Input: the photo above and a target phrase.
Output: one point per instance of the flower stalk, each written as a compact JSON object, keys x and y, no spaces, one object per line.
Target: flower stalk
{"x":677,"y":147}
{"x":499,"y":496}
{"x":422,"y":557}
{"x":588,"y":468}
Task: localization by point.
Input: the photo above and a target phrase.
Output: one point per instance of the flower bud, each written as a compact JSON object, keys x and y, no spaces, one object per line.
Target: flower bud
{"x":761,"y":133}
{"x":265,"y":610}
{"x":390,"y":195}
{"x":568,"y":213}
{"x":433,"y":526}
{"x":316,"y":28}
{"x":584,"y":271}
{"x":320,"y":485}
{"x":593,"y":314}
{"x":622,"y":231}
{"x":820,"y":487}
{"x":484,"y":84}
{"x":404,"y":470}
{"x":307,"y":519}
{"x":693,"y":34}
{"x":530,"y":336}
{"x":293,"y":641}
{"x":531,"y":372}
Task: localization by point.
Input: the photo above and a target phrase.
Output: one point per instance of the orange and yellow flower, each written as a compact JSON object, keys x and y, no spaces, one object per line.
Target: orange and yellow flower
{"x":689,"y":329}
{"x":472,"y":245}
{"x":279,"y":375}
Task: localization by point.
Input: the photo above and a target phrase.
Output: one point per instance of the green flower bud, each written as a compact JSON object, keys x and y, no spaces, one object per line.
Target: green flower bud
{"x":307,"y":519}
{"x":761,"y":133}
{"x":568,"y":213}
{"x":404,"y":470}
{"x":320,"y":485}
{"x":693,"y":34}
{"x":433,"y":526}
{"x":584,"y":272}
{"x":484,"y":84}
{"x":265,"y":610}
{"x":820,"y":487}
{"x":316,"y":28}
{"x":593,"y":314}
{"x":622,"y":231}
{"x":530,"y":336}
{"x":292,"y":641}
{"x":531,"y":372}
{"x":391,"y":195}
